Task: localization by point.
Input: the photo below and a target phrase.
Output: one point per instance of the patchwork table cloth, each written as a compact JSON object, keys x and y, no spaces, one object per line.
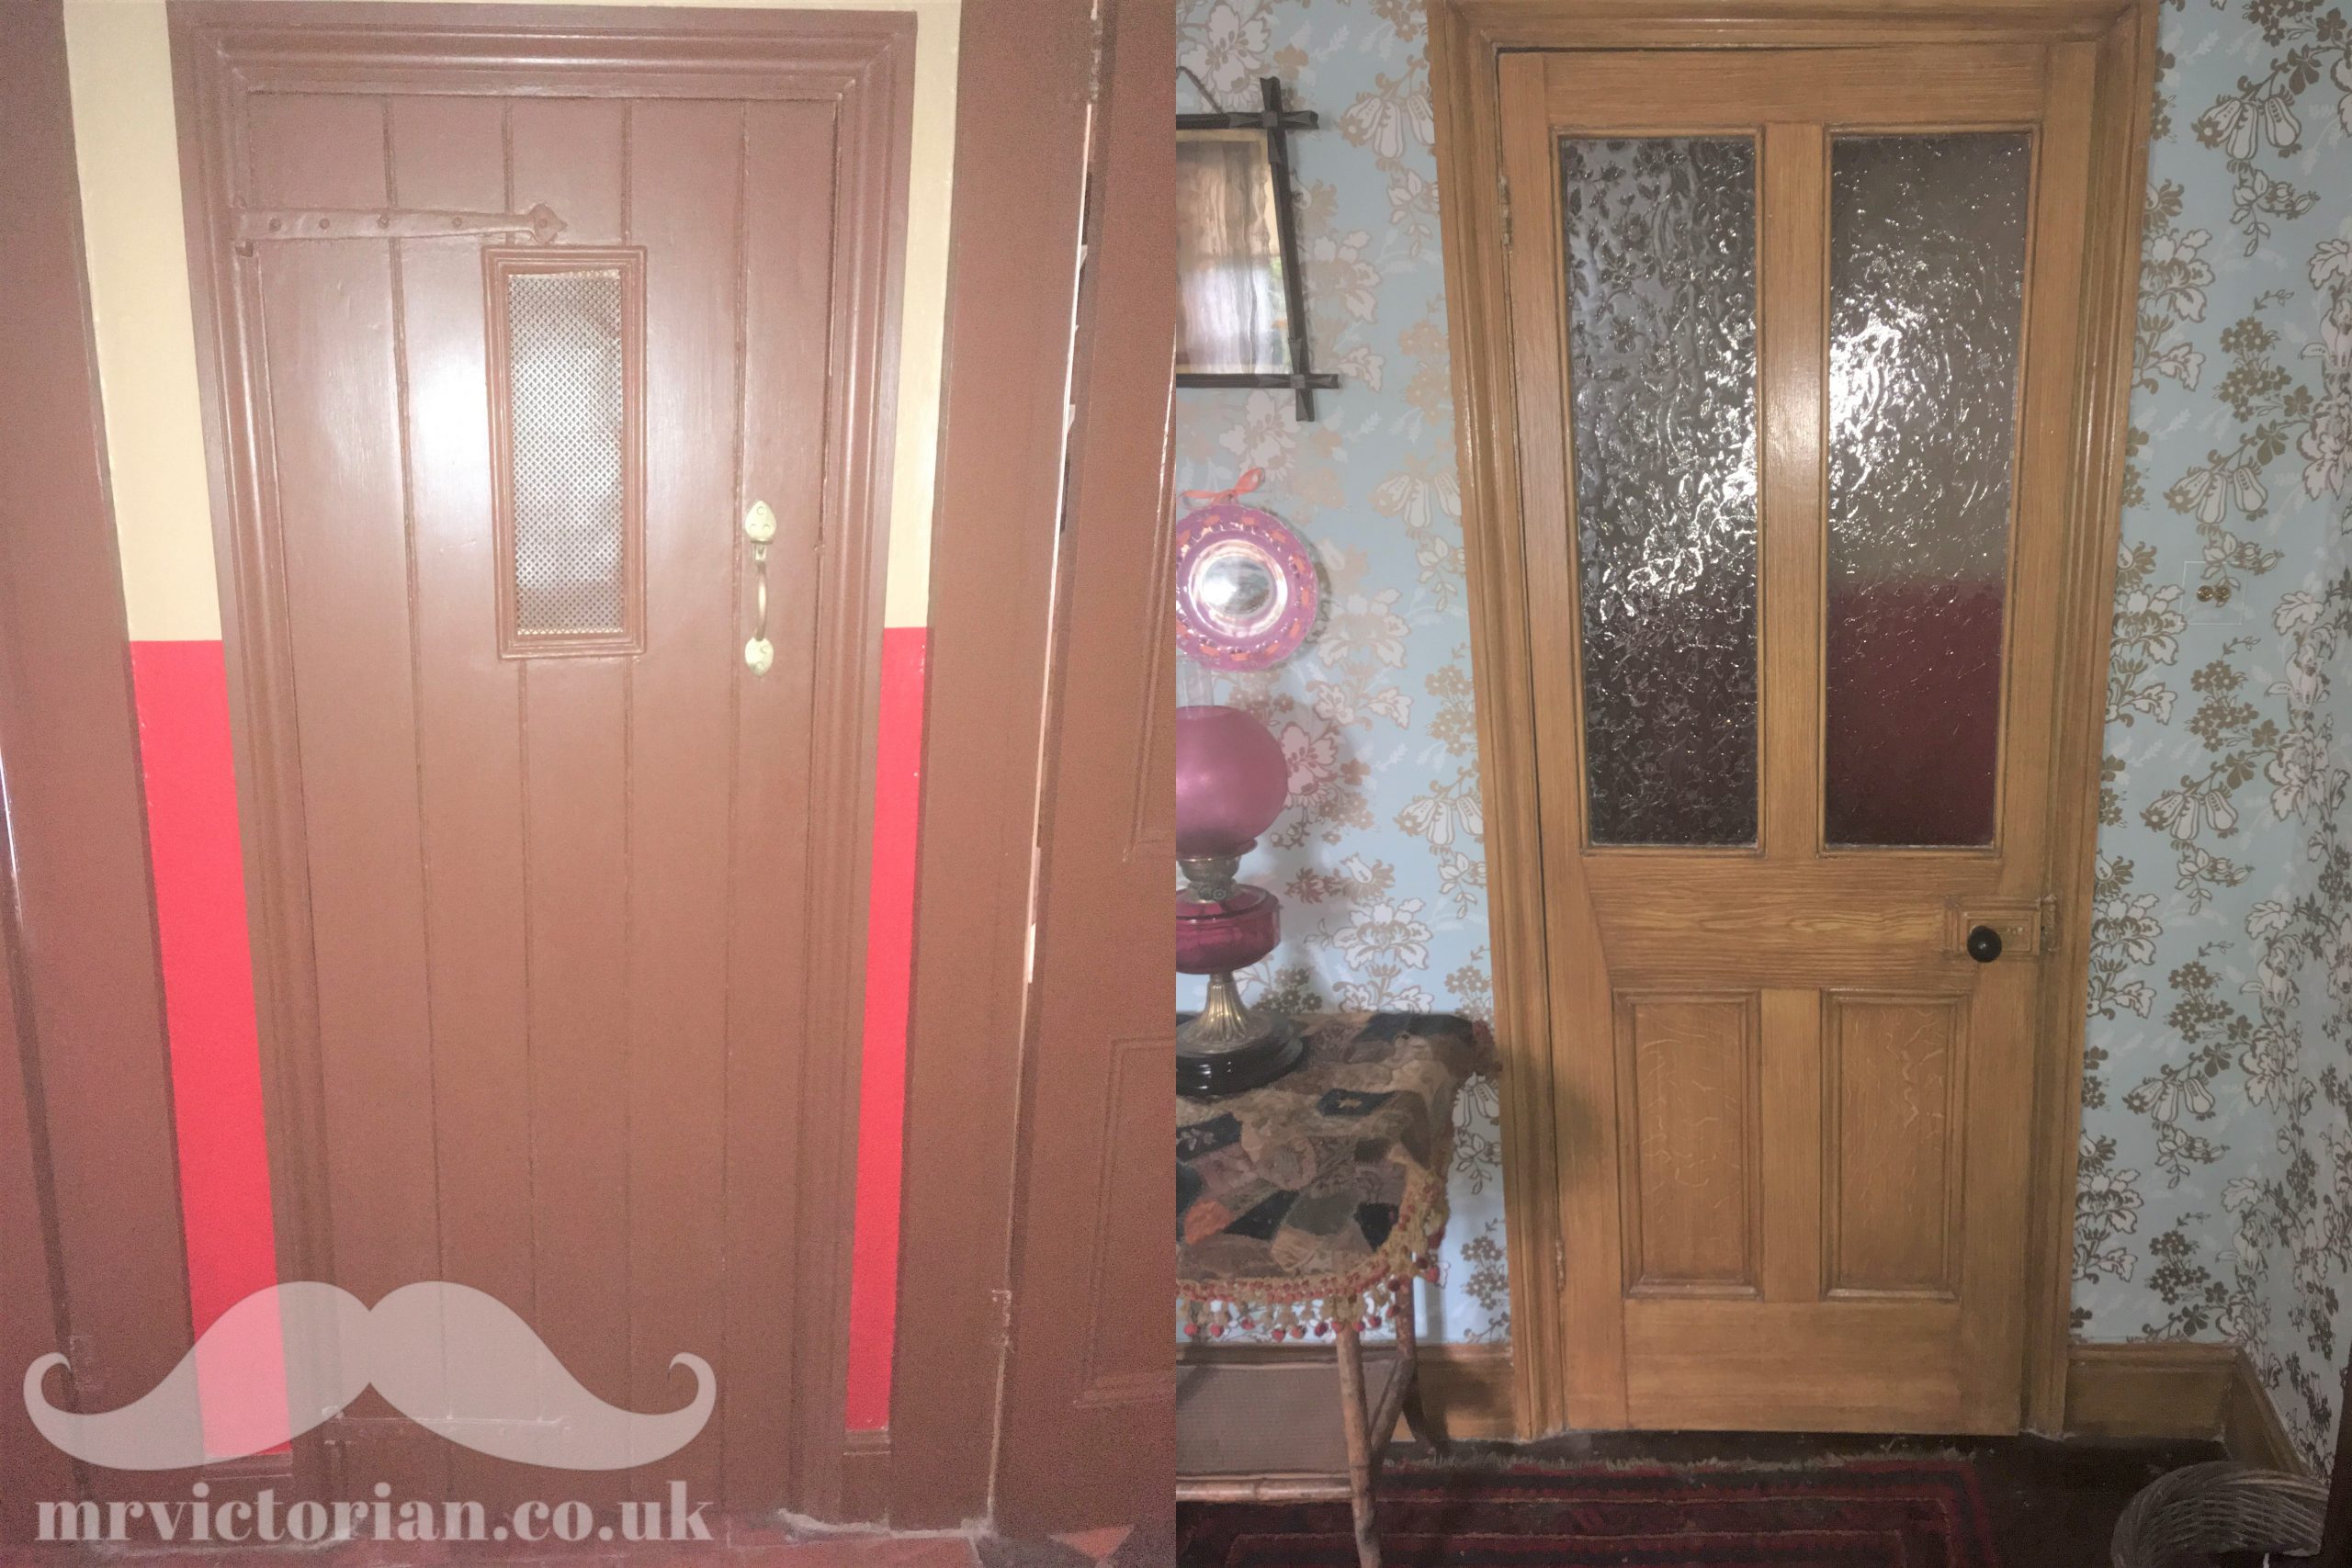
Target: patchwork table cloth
{"x":1312,"y":1201}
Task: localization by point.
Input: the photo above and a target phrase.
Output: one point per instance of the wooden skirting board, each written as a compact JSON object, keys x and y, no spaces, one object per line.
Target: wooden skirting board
{"x":2162,"y":1390}
{"x":2171,"y":1389}
{"x":866,"y":1476}
{"x":1271,"y":1413}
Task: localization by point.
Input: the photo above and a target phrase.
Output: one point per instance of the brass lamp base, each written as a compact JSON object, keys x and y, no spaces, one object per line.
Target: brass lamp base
{"x":1225,"y":1048}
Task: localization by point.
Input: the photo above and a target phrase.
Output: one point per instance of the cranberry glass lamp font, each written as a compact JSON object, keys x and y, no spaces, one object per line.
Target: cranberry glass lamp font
{"x":1231,"y":780}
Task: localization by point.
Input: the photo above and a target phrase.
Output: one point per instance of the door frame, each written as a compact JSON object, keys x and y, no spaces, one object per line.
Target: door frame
{"x":92,"y":1254}
{"x":864,"y":62}
{"x":1558,"y":1358}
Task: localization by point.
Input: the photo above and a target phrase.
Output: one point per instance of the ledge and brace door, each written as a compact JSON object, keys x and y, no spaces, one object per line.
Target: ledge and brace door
{"x":1793,"y":334}
{"x":552,"y":356}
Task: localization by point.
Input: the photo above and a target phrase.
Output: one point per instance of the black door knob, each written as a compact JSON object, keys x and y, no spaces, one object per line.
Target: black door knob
{"x":1984,"y":944}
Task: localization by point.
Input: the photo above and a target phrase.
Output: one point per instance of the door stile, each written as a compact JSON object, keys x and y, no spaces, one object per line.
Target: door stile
{"x":1583,"y":1103}
{"x":1792,"y":227}
{"x":1793,"y":224}
{"x":2008,"y":1002}
{"x":2047,"y":420}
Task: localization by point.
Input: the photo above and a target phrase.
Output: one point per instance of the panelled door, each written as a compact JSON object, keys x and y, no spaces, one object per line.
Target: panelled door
{"x":1793,"y":335}
{"x":550,"y":352}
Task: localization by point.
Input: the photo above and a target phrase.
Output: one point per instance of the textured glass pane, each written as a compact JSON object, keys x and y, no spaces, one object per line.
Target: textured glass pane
{"x":1661,"y":255}
{"x":1927,"y":290}
{"x":565,"y":411}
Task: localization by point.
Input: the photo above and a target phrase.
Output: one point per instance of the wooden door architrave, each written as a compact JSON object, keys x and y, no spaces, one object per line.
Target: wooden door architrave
{"x":92,"y":1256}
{"x":1567,"y":1370}
{"x":782,"y":1415}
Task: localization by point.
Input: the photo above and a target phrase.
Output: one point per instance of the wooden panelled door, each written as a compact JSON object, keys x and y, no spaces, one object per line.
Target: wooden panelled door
{"x":1794,"y":336}
{"x":549,"y":353}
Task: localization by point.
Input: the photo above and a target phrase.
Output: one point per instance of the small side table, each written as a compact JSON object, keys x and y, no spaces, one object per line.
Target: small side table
{"x":1307,"y":1208}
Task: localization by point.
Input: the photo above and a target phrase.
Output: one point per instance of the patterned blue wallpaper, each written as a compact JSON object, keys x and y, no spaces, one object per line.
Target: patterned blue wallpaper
{"x":2216,"y":1193}
{"x":1378,"y":860}
{"x":2217,"y":1154}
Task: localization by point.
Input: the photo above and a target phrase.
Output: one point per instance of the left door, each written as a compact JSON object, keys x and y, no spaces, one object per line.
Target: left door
{"x":518,"y":317}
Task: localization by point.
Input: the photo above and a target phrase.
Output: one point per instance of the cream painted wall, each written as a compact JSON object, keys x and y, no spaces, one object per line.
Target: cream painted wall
{"x":127,"y":146}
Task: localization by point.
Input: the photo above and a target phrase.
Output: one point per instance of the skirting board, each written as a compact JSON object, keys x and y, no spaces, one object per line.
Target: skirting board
{"x":2172,"y":1389}
{"x":1273,"y":1409}
{"x":865,"y":1477}
{"x":2162,"y":1390}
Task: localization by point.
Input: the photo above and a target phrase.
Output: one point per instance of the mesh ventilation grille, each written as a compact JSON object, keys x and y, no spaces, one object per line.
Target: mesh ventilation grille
{"x":566,"y":412}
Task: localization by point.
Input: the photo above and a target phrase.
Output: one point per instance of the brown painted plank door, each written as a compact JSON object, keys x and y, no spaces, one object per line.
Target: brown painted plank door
{"x":1089,"y":1416}
{"x":1796,"y":347}
{"x":568,"y":947}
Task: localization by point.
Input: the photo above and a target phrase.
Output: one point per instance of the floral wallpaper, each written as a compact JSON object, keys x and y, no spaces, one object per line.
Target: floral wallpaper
{"x":1378,"y":860}
{"x":2216,"y":1190}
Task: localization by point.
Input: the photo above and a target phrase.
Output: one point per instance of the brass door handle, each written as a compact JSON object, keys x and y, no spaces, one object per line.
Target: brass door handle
{"x":759,"y":526}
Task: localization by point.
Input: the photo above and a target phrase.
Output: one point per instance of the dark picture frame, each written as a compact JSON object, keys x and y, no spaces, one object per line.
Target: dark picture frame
{"x":1242,"y":308}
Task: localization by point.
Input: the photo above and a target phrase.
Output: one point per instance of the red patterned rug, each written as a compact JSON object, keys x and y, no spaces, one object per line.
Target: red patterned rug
{"x":1869,"y":1514}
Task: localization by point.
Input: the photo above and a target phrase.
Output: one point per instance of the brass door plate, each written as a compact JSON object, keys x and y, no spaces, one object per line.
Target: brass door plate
{"x":2024,"y":924}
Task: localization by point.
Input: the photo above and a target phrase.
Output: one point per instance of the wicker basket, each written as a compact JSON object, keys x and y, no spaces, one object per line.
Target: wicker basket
{"x":2186,"y":1516}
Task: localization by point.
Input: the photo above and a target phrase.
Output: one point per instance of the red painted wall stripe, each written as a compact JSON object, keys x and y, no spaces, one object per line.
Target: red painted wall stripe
{"x":882,"y":1089}
{"x":182,"y":694}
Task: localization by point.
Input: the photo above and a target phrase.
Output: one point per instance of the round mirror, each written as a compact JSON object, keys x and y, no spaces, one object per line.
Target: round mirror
{"x":1240,"y":587}
{"x":1245,"y":588}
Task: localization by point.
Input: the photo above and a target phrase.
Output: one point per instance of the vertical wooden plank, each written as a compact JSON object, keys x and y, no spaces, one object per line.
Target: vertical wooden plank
{"x":686,"y":180}
{"x":785,"y":294}
{"x":579,"y":863}
{"x":1792,"y":300}
{"x":1585,"y":1100}
{"x":450,"y":153}
{"x":328,"y":316}
{"x":1791,"y":1155}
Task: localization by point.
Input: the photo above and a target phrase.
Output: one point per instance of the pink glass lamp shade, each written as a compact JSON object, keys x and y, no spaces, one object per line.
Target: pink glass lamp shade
{"x":1231,"y":781}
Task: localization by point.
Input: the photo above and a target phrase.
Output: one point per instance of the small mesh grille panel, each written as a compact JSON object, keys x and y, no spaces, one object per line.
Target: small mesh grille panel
{"x":566,"y":409}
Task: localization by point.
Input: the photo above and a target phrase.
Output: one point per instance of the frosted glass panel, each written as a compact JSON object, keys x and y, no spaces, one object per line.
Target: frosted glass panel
{"x":1661,"y":260}
{"x":565,"y":412}
{"x":1927,"y":287}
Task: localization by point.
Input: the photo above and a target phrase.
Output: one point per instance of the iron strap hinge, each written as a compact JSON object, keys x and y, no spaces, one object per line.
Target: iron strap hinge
{"x":539,"y":223}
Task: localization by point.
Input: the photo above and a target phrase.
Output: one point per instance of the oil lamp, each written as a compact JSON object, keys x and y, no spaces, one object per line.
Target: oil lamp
{"x":1231,"y":781}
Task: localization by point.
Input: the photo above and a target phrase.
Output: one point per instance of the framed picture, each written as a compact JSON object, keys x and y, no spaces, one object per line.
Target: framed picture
{"x":1228,"y":257}
{"x":1242,"y":300}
